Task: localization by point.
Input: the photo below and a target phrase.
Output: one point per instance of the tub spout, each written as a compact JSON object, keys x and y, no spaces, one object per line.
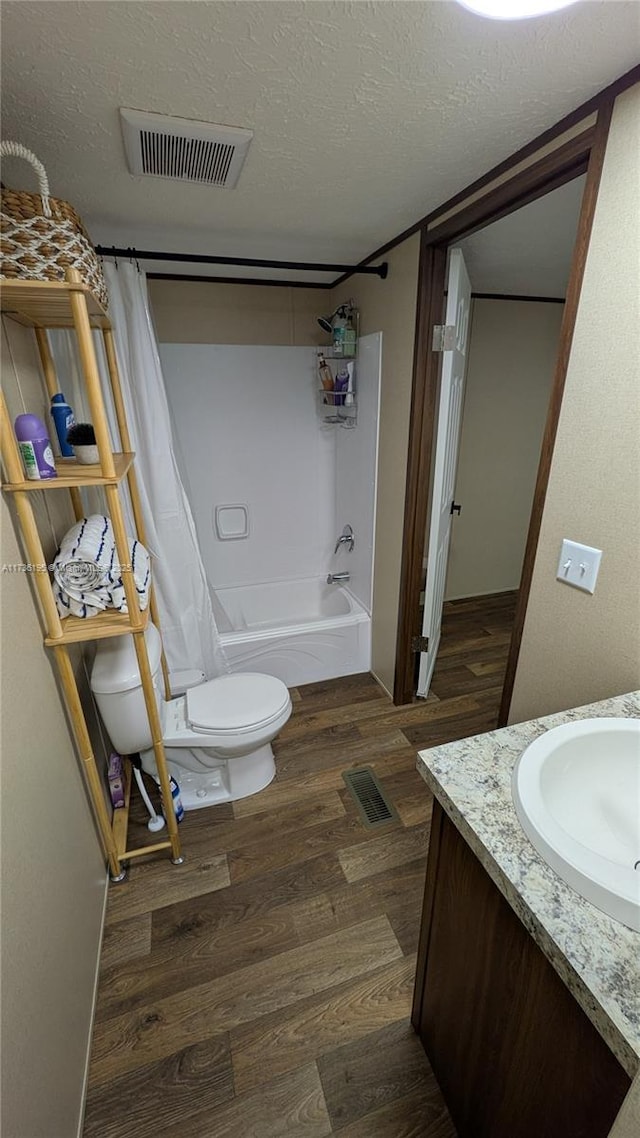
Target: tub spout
{"x":335,"y":578}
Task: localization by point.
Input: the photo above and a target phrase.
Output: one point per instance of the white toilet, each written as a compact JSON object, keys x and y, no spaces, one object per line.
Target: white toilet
{"x":217,"y":736}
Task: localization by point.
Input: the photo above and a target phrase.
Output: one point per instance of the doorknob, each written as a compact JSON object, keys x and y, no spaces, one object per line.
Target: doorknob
{"x":455,"y":509}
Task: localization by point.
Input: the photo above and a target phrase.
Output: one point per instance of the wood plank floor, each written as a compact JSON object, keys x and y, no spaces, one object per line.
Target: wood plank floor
{"x":263,"y":989}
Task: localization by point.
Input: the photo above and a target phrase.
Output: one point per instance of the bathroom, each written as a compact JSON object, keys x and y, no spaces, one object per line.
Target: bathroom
{"x":290,"y":928}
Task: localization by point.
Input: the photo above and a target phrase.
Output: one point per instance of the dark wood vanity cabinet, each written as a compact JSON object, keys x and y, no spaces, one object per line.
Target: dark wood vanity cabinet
{"x":514,"y":1054}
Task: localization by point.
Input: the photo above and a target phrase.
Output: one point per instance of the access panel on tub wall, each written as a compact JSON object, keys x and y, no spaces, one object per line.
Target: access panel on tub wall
{"x":259,"y":473}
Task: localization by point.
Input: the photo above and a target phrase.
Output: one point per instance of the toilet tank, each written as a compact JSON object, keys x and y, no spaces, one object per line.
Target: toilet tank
{"x":117,"y":687}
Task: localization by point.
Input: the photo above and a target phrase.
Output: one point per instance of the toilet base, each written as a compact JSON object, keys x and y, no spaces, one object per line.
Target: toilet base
{"x":221,"y":780}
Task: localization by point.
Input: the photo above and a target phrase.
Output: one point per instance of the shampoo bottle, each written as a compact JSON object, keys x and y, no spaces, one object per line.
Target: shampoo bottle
{"x":35,"y":448}
{"x":326,"y":377}
{"x":63,"y":419}
{"x":348,"y":399}
{"x":342,"y":384}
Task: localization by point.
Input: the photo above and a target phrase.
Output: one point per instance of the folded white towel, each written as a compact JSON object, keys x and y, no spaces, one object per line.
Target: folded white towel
{"x":86,"y":572}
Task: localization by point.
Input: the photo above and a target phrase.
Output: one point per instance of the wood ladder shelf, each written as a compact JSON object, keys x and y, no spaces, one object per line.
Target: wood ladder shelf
{"x":70,"y":304}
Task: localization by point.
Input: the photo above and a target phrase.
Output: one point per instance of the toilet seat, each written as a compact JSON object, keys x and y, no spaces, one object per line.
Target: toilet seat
{"x":236,"y":704}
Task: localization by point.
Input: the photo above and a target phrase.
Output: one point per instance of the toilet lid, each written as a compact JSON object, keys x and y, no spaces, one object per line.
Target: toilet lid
{"x":235,"y":703}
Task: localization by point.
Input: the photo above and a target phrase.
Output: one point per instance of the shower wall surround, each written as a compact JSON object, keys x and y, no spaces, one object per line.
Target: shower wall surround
{"x":249,"y":433}
{"x":356,"y":468}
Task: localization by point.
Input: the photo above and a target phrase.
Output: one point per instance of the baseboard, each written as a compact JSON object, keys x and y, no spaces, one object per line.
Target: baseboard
{"x":486,"y":593}
{"x":382,"y":685}
{"x":85,"y":1081}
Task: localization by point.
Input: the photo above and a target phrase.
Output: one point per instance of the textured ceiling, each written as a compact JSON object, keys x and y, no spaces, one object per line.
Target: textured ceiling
{"x":527,"y":253}
{"x":366,"y":115}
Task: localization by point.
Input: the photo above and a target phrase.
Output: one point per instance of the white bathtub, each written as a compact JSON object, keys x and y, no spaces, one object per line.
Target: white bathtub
{"x":300,"y":631}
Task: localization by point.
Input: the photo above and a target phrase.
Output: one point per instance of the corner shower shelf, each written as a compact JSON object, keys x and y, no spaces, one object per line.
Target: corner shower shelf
{"x":334,"y":410}
{"x":337,"y":407}
{"x":70,"y":304}
{"x":330,"y":353}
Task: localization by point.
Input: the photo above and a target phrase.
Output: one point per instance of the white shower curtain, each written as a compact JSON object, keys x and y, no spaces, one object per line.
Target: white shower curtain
{"x":188,"y":626}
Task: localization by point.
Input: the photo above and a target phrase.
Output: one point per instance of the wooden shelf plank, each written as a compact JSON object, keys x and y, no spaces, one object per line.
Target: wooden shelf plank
{"x":72,"y":473}
{"x":143,"y":851}
{"x":75,"y":629}
{"x":47,"y":304}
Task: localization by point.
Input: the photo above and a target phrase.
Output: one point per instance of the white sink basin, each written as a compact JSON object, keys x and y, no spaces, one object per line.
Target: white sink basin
{"x":576,"y":790}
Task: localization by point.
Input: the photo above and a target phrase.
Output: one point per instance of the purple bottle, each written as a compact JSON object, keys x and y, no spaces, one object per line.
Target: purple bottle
{"x":35,"y":448}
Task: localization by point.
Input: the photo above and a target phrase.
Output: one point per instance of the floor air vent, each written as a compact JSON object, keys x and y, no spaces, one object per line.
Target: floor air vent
{"x":184,"y":150}
{"x":364,"y":788}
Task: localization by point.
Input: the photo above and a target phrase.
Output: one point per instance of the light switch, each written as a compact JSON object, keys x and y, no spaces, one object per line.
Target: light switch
{"x":579,"y":565}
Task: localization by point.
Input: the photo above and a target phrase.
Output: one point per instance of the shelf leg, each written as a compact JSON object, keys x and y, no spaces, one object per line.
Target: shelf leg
{"x":91,"y":374}
{"x":81,"y":733}
{"x":114,"y":509}
{"x":122,"y":546}
{"x":52,"y":384}
{"x":10,"y":452}
{"x":35,"y":553}
{"x":46,"y":359}
{"x":76,"y":501}
{"x":158,"y":746}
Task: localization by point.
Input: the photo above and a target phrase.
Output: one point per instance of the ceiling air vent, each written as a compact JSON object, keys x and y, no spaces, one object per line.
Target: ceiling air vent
{"x":160,"y":146}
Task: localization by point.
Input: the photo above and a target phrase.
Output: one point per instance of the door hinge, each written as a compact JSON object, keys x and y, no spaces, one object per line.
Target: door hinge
{"x":419,"y":643}
{"x":444,"y":337}
{"x":455,"y":509}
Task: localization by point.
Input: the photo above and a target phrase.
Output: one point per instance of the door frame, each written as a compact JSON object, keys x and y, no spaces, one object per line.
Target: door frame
{"x":509,"y":187}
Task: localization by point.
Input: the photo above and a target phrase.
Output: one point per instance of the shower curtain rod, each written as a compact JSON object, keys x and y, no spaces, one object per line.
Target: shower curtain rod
{"x":249,"y":262}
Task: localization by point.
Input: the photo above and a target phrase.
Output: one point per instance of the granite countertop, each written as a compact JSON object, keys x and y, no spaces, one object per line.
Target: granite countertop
{"x":597,"y":958}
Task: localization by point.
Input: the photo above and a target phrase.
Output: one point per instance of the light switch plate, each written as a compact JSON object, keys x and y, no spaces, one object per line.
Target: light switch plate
{"x":579,"y":565}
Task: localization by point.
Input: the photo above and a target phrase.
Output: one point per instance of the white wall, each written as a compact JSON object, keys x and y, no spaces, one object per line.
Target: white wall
{"x":248,"y":432}
{"x":356,"y":472}
{"x":389,"y":306}
{"x":512,"y":355}
{"x":575,"y":647}
{"x":53,"y":873}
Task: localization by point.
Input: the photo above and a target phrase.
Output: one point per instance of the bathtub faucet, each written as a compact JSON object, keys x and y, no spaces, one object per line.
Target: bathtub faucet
{"x":347,"y":537}
{"x":335,"y":578}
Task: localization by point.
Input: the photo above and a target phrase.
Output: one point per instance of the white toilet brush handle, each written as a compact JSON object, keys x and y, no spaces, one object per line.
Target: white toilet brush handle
{"x":156,"y":822}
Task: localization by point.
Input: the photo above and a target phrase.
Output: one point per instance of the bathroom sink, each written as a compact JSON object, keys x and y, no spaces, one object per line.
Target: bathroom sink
{"x":576,"y":790}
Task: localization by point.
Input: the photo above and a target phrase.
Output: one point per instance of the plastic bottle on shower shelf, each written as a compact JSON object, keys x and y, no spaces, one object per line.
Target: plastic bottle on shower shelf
{"x":349,"y":337}
{"x":339,"y":328}
{"x":326,"y":377}
{"x":348,"y":399}
{"x":342,"y":384}
{"x":63,"y":419}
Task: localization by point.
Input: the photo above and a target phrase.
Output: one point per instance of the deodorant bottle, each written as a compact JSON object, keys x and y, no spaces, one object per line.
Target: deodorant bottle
{"x":35,"y":448}
{"x":63,"y":418}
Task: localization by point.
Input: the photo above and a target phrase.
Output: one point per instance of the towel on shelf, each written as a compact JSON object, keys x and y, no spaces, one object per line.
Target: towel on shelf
{"x":86,"y":570}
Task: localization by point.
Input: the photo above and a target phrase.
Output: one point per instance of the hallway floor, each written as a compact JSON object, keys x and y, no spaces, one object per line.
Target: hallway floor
{"x":263,"y":989}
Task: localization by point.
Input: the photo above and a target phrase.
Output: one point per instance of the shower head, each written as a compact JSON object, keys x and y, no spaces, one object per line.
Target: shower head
{"x":326,"y":322}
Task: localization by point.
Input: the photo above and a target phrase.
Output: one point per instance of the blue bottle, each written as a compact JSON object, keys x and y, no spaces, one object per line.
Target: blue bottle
{"x":178,"y":808}
{"x":177,"y":801}
{"x":63,"y":418}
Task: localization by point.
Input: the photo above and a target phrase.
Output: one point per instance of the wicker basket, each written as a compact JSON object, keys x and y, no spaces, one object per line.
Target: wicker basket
{"x":41,"y":237}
